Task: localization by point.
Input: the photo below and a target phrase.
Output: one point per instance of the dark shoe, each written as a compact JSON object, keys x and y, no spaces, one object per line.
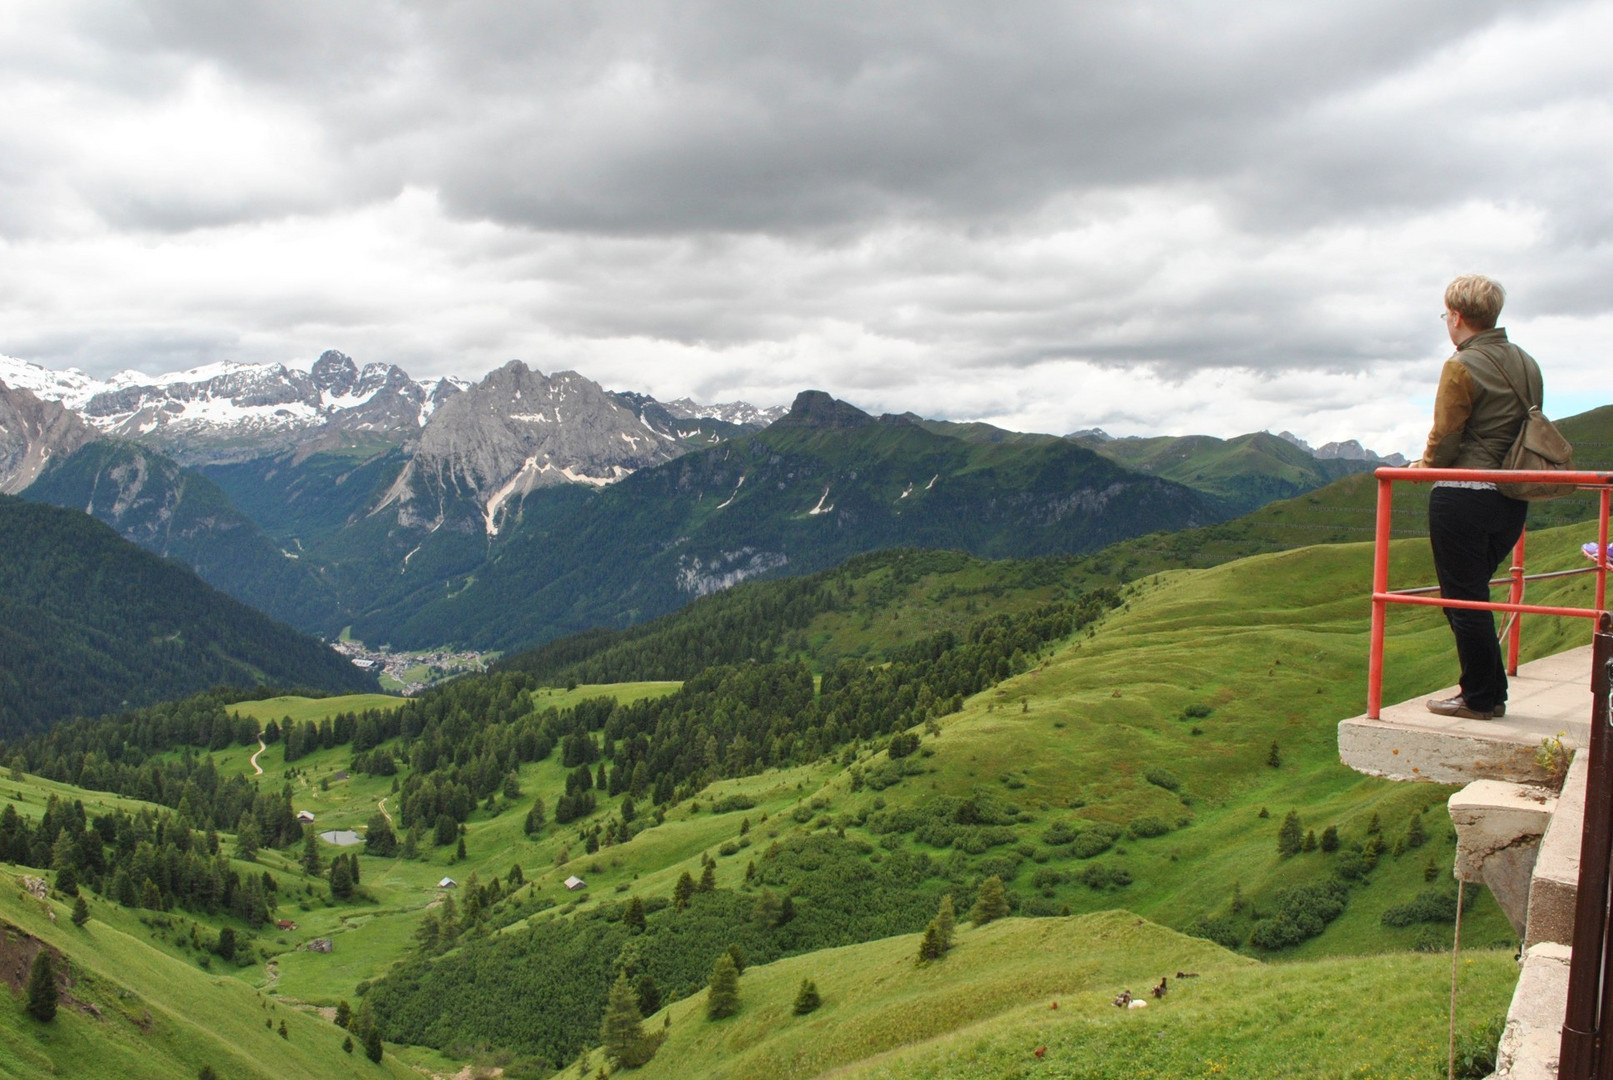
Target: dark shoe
{"x":1457,"y":706}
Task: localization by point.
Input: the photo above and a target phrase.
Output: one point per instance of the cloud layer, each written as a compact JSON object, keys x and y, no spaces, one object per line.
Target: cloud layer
{"x":1149,"y":217}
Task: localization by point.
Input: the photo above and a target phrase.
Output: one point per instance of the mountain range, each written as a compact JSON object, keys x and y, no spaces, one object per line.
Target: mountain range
{"x":525,"y":506}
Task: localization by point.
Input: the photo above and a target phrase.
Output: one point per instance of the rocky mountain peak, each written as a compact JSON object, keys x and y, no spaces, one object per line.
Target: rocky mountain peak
{"x":814,"y":408}
{"x":334,"y":372}
{"x":32,"y":432}
{"x":518,"y":430}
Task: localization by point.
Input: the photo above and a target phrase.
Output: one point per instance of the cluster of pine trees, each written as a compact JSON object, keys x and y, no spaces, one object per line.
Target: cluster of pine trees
{"x":146,"y":860}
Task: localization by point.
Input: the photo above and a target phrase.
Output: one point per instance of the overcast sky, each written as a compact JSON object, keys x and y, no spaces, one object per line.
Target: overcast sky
{"x":1148,"y":217}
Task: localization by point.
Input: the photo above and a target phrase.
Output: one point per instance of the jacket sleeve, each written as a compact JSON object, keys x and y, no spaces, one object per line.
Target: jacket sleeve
{"x":1453,"y":404}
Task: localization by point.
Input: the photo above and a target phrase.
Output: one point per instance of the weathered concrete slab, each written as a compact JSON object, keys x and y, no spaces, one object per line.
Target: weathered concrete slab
{"x":1407,"y":742}
{"x":1556,"y":877}
{"x":1532,"y":1041}
{"x":1498,"y":830}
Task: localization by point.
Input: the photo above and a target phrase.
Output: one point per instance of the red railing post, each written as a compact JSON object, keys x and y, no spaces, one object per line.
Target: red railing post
{"x":1588,"y":1002}
{"x":1380,"y":605}
{"x":1602,"y":552}
{"x":1515,"y":596}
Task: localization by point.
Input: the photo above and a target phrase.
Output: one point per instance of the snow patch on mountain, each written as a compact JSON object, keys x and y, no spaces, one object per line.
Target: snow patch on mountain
{"x":733,"y":412}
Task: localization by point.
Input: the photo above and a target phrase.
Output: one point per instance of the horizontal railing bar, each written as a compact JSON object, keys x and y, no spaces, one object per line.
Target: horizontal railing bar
{"x":1480,"y":605}
{"x":1427,"y":589}
{"x":1497,"y":476}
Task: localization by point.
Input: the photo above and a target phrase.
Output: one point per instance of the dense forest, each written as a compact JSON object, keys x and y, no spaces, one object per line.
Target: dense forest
{"x":463,"y":741}
{"x":765,"y":620}
{"x":90,"y":623}
{"x":180,"y":514}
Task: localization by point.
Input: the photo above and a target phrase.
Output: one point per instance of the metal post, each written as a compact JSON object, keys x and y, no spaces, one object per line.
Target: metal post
{"x":1601,"y":564}
{"x":1586,"y":999}
{"x":1515,"y":596}
{"x":1380,"y":606}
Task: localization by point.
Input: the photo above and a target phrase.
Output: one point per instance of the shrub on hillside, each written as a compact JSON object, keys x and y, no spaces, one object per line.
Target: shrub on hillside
{"x":1301,"y":913}
{"x":1221,"y":929}
{"x":1428,"y":906}
{"x":1100,"y":877}
{"x":1060,"y":833}
{"x":1163,"y":778}
{"x":1094,"y":841}
{"x":1144,"y":827}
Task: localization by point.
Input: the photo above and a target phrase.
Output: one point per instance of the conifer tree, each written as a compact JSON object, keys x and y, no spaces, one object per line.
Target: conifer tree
{"x":682,"y":891}
{"x":722,"y":997}
{"x":1330,"y":839}
{"x":42,"y":988}
{"x":247,"y":838}
{"x":372,"y":1043}
{"x":737,"y":955}
{"x":1290,"y":837}
{"x":930,"y":947}
{"x":807,"y":998}
{"x":622,"y":1030}
{"x":991,"y":902}
{"x":633,"y":914}
{"x":1310,"y":841}
{"x":226,"y":943}
{"x":1416,"y":835}
{"x":311,"y":863}
{"x":649,"y":994}
{"x":379,"y":839}
{"x":344,"y":1014}
{"x":946,"y":920}
{"x":341,"y":880}
{"x":347,"y":1044}
{"x":708,"y":878}
{"x":81,"y":912}
{"x":1275,"y":757}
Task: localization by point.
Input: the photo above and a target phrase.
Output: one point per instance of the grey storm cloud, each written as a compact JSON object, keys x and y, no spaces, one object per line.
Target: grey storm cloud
{"x":793,"y":194}
{"x":649,"y":117}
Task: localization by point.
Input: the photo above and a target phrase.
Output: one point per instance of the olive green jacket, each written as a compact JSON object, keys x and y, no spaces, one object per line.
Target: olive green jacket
{"x":1477,"y":415}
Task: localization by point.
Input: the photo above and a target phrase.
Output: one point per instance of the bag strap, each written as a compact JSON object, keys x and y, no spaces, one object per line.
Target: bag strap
{"x":1523,"y":398}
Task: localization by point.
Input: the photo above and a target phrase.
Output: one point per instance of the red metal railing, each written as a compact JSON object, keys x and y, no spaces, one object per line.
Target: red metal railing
{"x":1382,"y":596}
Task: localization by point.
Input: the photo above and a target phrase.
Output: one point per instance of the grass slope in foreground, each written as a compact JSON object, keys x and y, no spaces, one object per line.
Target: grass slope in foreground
{"x":984,"y":1010}
{"x":139,"y":1014}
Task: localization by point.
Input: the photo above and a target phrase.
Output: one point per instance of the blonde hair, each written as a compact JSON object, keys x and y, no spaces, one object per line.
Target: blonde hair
{"x":1477,"y":299}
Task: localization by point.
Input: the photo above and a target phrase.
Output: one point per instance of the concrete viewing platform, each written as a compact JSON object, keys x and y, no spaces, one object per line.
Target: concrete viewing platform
{"x":1547,"y":698}
{"x":1517,"y":831}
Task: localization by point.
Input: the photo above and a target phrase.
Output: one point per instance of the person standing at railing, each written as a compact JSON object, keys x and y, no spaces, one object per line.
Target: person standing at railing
{"x":1472,"y":526}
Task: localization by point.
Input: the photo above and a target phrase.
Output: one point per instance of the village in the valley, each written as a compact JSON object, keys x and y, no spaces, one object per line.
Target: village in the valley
{"x":409,"y":673}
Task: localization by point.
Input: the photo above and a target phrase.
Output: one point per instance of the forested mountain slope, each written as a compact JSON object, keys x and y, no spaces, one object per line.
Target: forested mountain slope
{"x":179,"y":513}
{"x":820,"y":485}
{"x":91,"y":623}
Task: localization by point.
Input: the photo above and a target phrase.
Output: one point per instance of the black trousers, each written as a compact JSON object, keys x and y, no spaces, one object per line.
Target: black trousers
{"x":1472,"y":531}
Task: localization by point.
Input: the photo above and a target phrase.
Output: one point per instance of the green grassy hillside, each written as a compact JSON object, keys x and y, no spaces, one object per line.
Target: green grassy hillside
{"x":134,"y":1011}
{"x":1129,"y":766}
{"x":1011,"y":987}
